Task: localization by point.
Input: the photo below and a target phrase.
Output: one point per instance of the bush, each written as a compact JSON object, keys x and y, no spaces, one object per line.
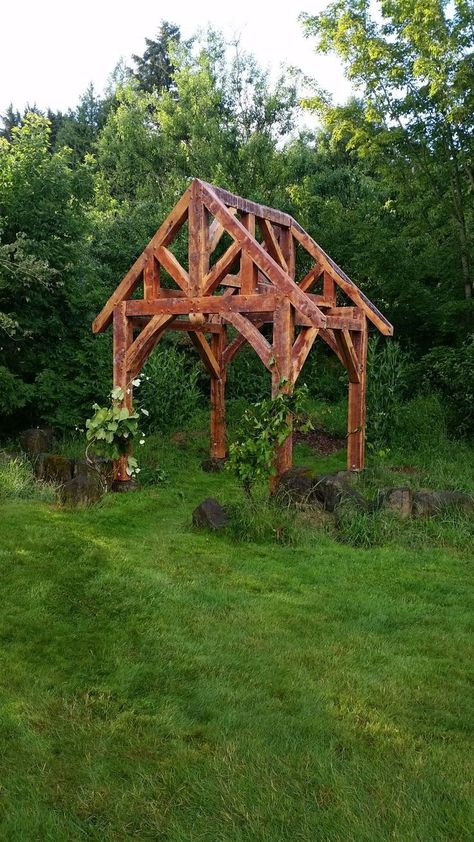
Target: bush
{"x":263,"y":521}
{"x":170,"y":390}
{"x":17,"y":481}
{"x":247,"y":377}
{"x":419,"y":425}
{"x":450,"y":371}
{"x":386,"y":378}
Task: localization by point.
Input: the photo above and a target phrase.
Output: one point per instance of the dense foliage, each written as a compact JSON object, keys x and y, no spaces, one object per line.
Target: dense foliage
{"x":384,"y":184}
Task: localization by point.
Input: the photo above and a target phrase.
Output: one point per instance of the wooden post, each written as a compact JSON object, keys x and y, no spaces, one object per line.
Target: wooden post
{"x":248,"y":270}
{"x":151,"y":279}
{"x":283,"y":332}
{"x":123,"y":337}
{"x":356,"y":411}
{"x":198,"y":247}
{"x":218,"y":431}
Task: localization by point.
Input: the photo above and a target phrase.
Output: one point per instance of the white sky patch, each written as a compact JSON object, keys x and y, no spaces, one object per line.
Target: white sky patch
{"x":52,"y":50}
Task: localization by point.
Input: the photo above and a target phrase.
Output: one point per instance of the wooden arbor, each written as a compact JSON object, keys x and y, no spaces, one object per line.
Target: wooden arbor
{"x":252,"y":283}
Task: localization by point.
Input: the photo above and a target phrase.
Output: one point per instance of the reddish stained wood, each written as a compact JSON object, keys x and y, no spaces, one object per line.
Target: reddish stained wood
{"x":151,"y":278}
{"x":248,"y":271}
{"x":348,"y":353}
{"x":356,"y":411}
{"x":329,"y":288}
{"x":341,"y":279}
{"x":253,"y":336}
{"x":263,"y":260}
{"x":220,"y":269}
{"x":221,"y":304}
{"x":163,"y":236}
{"x":287,"y":245}
{"x":122,"y":337}
{"x":282,"y":380}
{"x":328,"y":337}
{"x":216,"y":230}
{"x":231,"y":201}
{"x":309,"y":279}
{"x":198,"y":241}
{"x":180,"y":324}
{"x":272,"y":244}
{"x":173,"y":267}
{"x":146,"y":340}
{"x":206,"y":353}
{"x":218,"y":432}
{"x":301,"y":348}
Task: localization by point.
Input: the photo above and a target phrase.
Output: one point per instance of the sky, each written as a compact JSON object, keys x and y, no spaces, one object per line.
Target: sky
{"x":52,"y":49}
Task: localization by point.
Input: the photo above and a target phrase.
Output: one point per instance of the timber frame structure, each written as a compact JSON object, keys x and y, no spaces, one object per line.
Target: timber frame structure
{"x":249,"y":285}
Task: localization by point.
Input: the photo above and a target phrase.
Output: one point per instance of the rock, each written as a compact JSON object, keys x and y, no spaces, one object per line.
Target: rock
{"x":82,"y":490}
{"x":210,"y":514}
{"x":50,"y":467}
{"x":179,"y":438}
{"x":213,"y":465}
{"x":101,"y":466}
{"x":333,"y":489}
{"x":37,"y":441}
{"x":397,"y":500}
{"x":427,"y":503}
{"x":296,"y":486}
{"x":120,"y":486}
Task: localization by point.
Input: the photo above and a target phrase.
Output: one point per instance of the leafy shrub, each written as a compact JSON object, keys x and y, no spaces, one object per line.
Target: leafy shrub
{"x":111,"y":430}
{"x":386,"y":378}
{"x":17,"y":481}
{"x":450,"y":371}
{"x":263,"y":428}
{"x":419,"y":425}
{"x":247,"y":377}
{"x":263,"y":521}
{"x":170,"y":388}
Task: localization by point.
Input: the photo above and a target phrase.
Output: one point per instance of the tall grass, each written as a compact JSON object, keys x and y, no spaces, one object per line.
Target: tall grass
{"x":17,"y":481}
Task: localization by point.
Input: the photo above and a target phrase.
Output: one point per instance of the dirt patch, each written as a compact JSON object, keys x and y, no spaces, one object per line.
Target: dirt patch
{"x":403,"y":469}
{"x":321,"y":442}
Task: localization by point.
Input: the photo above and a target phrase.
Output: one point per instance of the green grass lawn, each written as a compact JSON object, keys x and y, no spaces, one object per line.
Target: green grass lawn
{"x":166,"y":684}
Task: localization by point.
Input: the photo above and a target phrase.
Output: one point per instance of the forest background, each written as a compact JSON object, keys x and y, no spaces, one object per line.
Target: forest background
{"x":385,"y":184}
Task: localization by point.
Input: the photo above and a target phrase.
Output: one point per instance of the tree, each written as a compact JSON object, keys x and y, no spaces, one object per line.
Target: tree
{"x":155,"y":67}
{"x":412,"y":60}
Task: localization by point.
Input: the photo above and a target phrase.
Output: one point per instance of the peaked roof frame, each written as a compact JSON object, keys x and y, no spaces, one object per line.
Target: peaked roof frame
{"x":264,"y":290}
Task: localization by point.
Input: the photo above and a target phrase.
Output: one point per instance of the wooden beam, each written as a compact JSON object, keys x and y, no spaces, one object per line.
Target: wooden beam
{"x":347,"y":350}
{"x":329,"y":288}
{"x":180,"y":325}
{"x":198,"y":241}
{"x":151,"y":278}
{"x":287,"y":245}
{"x":163,"y":236}
{"x":263,"y":260}
{"x":216,"y":230}
{"x":282,"y":375}
{"x":248,"y":271}
{"x":253,"y":336}
{"x":122,"y":337}
{"x":220,"y":269}
{"x":205,"y":352}
{"x":310,"y":278}
{"x":218,"y":432}
{"x":301,"y":348}
{"x":173,"y":267}
{"x":356,"y":410}
{"x":272,"y":243}
{"x":221,"y":304}
{"x":146,"y":340}
{"x":239,"y":203}
{"x":342,"y":280}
